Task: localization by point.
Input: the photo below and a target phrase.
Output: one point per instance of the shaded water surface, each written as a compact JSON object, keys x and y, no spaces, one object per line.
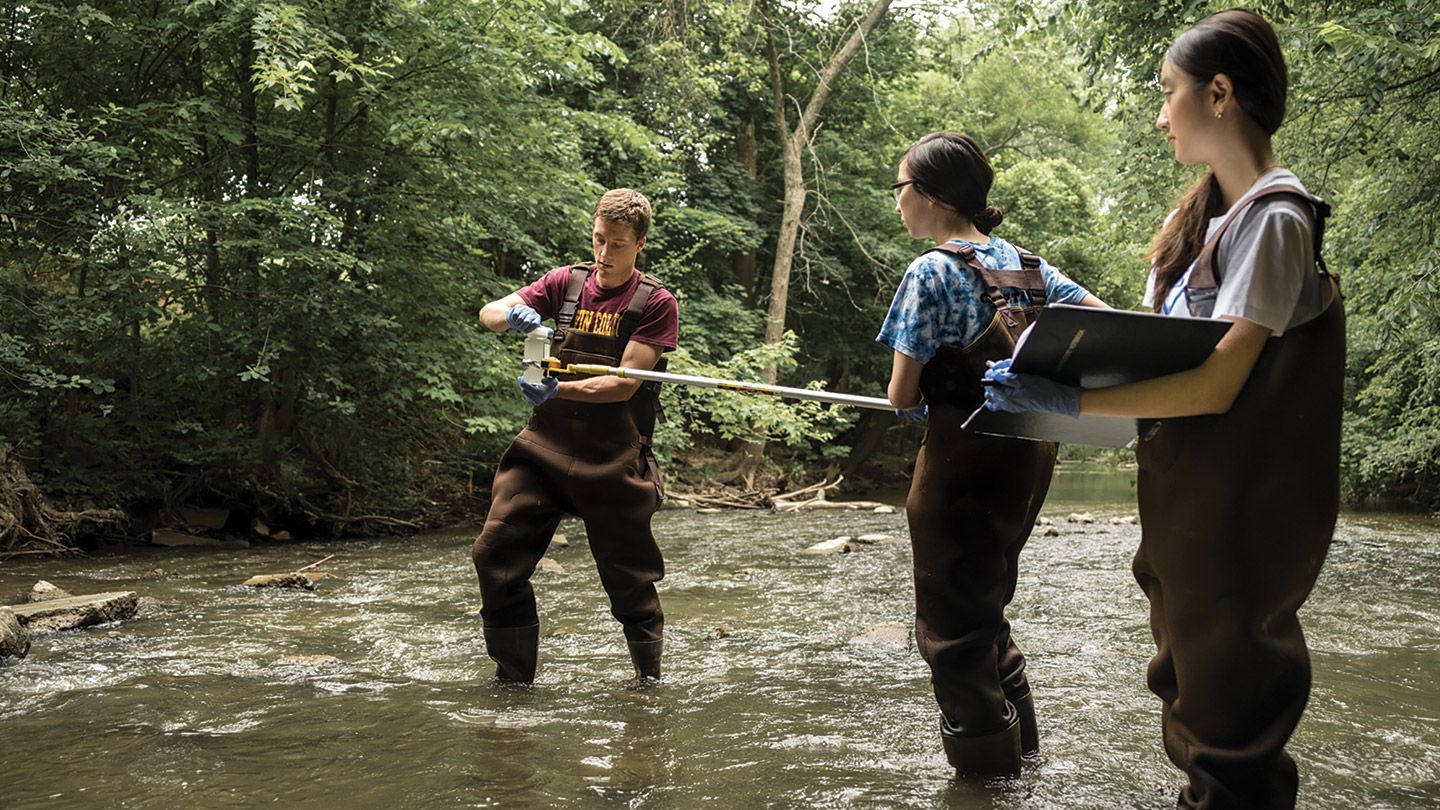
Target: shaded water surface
{"x":375,"y":689}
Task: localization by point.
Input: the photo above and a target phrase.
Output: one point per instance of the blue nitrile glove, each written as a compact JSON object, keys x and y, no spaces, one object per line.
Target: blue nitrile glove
{"x":538,"y":392}
{"x":522,"y":318}
{"x":915,"y":415}
{"x":1020,"y":393}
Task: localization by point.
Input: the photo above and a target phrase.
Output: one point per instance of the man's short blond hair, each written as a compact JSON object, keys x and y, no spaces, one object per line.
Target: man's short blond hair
{"x":625,"y":205}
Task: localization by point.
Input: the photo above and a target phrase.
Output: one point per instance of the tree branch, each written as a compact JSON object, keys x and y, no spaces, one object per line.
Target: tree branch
{"x":837,"y":64}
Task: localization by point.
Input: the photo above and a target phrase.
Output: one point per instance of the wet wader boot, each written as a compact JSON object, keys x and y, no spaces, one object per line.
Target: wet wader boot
{"x":972,"y":504}
{"x":1029,"y":731}
{"x":1230,"y":550}
{"x":994,"y":753}
{"x":587,"y":459}
{"x":1011,"y":664}
{"x":514,"y":650}
{"x":645,"y":655}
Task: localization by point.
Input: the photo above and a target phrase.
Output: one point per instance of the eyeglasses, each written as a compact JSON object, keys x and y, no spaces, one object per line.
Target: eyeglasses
{"x":895,"y":188}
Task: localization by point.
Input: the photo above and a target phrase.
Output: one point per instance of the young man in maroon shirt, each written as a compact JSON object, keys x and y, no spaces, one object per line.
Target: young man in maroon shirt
{"x":586,"y":450}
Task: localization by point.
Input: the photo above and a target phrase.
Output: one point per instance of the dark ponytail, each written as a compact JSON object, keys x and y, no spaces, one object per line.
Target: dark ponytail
{"x":1243,"y":46}
{"x":950,"y":169}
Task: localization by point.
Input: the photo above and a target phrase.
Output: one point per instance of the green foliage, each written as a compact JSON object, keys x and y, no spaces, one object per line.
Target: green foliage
{"x":696,"y":412}
{"x":265,"y":281}
{"x":242,"y":244}
{"x":1371,"y":75}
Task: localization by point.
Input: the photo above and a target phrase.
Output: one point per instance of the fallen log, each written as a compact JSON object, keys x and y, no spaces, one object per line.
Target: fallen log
{"x":821,"y":488}
{"x":702,"y":500}
{"x":292,"y":579}
{"x":289,"y":579}
{"x":820,"y":503}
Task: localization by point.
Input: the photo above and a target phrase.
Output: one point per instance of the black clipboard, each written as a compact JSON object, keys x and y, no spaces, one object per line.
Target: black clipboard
{"x":1097,"y":348}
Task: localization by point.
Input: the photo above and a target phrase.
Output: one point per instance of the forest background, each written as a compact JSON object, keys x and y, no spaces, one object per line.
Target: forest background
{"x":242,"y":244}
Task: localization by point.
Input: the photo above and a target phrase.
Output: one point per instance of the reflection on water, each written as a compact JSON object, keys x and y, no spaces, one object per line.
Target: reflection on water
{"x":221,"y":695}
{"x":1092,"y":488}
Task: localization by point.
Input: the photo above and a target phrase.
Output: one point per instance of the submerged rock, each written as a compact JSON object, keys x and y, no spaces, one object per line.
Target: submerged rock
{"x":549,"y":566}
{"x":149,"y":607}
{"x":884,"y":509}
{"x":77,"y":611}
{"x":14,"y":639}
{"x":559,"y":541}
{"x":840,"y":545}
{"x":44,"y":591}
{"x":893,"y":633}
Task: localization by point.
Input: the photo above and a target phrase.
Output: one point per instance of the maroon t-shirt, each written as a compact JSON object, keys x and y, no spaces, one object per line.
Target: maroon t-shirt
{"x":600,"y":310}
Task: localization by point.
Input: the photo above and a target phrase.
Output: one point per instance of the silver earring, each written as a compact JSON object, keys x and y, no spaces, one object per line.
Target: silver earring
{"x":1219,"y":113}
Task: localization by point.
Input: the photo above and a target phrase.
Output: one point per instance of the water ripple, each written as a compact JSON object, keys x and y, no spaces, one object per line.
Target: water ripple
{"x":376,"y":684}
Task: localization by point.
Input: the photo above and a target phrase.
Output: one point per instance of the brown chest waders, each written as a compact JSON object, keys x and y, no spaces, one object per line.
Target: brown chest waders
{"x":973,"y":501}
{"x":1237,"y":514}
{"x":592,"y":460}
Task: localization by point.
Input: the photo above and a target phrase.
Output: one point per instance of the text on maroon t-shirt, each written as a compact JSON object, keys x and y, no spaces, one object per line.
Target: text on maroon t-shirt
{"x":600,"y":310}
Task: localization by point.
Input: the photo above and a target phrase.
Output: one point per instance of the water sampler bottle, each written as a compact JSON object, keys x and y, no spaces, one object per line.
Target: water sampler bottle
{"x":537,"y":348}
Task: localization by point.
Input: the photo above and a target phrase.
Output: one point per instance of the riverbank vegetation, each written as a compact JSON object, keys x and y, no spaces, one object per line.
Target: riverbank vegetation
{"x":242,"y":244}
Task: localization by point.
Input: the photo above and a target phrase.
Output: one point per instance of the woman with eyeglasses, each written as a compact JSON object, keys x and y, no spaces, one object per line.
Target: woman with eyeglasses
{"x":1240,"y":456}
{"x":973,"y":498}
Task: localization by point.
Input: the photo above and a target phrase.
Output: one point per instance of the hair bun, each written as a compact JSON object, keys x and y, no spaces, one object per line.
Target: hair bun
{"x":988,"y":219}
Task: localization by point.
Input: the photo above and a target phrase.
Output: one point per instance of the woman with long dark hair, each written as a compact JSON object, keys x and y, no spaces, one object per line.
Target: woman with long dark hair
{"x":974,"y":498}
{"x":1239,"y":457}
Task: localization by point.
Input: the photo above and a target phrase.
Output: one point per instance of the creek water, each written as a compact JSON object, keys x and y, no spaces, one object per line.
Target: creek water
{"x":374,"y":690}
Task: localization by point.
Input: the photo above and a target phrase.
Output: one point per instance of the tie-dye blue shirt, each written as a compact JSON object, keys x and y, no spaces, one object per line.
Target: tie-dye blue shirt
{"x":941,"y":301}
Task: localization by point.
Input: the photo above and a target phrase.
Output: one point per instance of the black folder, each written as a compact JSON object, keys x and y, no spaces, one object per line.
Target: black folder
{"x":1098,"y":348}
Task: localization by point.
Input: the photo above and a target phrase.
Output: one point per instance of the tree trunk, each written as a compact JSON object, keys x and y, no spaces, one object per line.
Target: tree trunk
{"x":209,"y":192}
{"x":868,"y":436}
{"x":795,"y":193}
{"x":743,"y":262}
{"x":793,"y":141}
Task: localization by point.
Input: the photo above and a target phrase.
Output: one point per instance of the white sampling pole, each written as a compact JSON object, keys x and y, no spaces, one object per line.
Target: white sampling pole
{"x":877,"y":403}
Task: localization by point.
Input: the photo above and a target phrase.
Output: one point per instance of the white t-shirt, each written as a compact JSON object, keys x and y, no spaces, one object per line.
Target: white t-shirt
{"x":1265,"y":263}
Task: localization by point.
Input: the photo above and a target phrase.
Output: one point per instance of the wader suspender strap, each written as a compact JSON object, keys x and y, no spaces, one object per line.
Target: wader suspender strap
{"x":578,"y":274}
{"x":636,"y":307}
{"x":628,"y":321}
{"x":1028,"y":278}
{"x":1203,"y":279}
